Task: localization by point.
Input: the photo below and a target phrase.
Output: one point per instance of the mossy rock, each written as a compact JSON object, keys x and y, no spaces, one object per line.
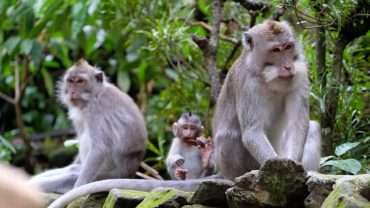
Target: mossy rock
{"x":48,"y":198}
{"x":94,"y":200}
{"x":196,"y":206}
{"x":319,"y":187}
{"x":77,"y":203}
{"x":212,"y":193}
{"x":91,"y":201}
{"x":279,"y":183}
{"x":353,"y":192}
{"x":124,"y":198}
{"x":165,"y":198}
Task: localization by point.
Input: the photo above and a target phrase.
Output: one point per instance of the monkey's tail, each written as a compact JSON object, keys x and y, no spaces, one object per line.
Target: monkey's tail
{"x":136,"y":184}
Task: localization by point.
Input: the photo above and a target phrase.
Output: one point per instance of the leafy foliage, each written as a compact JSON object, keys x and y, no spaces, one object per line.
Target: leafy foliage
{"x":145,"y":47}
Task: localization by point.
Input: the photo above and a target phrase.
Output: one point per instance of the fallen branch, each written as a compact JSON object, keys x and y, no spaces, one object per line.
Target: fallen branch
{"x":151,"y":170}
{"x":142,"y":175}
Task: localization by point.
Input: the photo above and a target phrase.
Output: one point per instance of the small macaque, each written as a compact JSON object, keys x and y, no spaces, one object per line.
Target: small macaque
{"x":190,"y":154}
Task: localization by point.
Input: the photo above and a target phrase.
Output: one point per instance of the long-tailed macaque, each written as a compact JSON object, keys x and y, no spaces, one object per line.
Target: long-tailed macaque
{"x":262,"y":111}
{"x":189,"y":157}
{"x":15,"y":192}
{"x":110,"y":129}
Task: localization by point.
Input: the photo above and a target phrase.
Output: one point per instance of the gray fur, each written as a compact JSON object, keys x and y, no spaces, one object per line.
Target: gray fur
{"x":110,"y":129}
{"x":260,"y":117}
{"x":186,"y":156}
{"x":257,"y":117}
{"x":191,"y":156}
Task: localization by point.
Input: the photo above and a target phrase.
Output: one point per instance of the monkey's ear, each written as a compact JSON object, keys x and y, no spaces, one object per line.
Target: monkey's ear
{"x":174,"y":128}
{"x":99,"y":76}
{"x":247,"y":41}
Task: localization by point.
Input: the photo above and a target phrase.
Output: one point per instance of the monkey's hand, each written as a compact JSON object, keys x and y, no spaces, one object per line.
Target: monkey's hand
{"x":206,"y":152}
{"x":180,"y":173}
{"x":179,"y":162}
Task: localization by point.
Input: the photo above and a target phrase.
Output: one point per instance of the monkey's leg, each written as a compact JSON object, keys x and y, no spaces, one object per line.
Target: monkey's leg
{"x":59,"y":183}
{"x":91,"y":167}
{"x":129,"y":164}
{"x":232,"y":158}
{"x":58,"y":171}
{"x":312,"y":148}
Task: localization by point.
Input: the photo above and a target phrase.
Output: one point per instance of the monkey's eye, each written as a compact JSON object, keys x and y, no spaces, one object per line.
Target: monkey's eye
{"x":275,"y":50}
{"x":268,"y":64}
{"x":80,"y":81}
{"x":295,"y":57}
{"x":288,"y":46}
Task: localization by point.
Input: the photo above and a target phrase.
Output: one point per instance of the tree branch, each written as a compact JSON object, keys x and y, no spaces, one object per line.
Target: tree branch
{"x":7,"y":98}
{"x":209,"y":48}
{"x":209,"y":29}
{"x":212,"y":50}
{"x":254,"y":5}
{"x":51,"y":134}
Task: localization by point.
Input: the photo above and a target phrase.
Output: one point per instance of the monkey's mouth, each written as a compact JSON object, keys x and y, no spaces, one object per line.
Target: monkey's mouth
{"x":190,"y":140}
{"x":78,"y":102}
{"x":287,"y":77}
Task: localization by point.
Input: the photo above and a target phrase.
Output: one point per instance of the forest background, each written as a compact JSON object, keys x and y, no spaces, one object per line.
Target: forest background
{"x":171,"y":57}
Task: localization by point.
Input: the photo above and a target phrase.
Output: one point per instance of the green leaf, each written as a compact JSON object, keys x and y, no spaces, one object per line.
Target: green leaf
{"x":36,"y":53}
{"x":172,"y":74}
{"x":7,"y":145}
{"x":93,"y":6}
{"x":142,"y":72}
{"x":123,"y":80}
{"x":153,"y":148}
{"x":48,"y":81}
{"x":349,"y":165}
{"x":26,"y":46}
{"x":324,"y":159}
{"x":344,"y":148}
{"x":79,"y":14}
{"x":11,"y":44}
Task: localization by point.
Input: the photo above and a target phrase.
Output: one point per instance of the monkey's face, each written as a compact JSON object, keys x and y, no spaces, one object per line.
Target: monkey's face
{"x":79,"y":86}
{"x":274,"y":52}
{"x":187,"y":131}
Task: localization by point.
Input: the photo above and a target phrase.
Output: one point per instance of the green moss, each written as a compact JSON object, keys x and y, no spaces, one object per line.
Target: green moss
{"x":115,"y":194}
{"x":77,"y":202}
{"x":346,"y":194}
{"x":157,"y":198}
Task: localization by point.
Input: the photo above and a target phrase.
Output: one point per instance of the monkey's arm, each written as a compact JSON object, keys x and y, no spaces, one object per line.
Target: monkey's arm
{"x":210,"y":168}
{"x":297,"y":126}
{"x":255,"y":140}
{"x":92,"y":166}
{"x":174,"y":157}
{"x":90,"y":169}
{"x":253,"y":136}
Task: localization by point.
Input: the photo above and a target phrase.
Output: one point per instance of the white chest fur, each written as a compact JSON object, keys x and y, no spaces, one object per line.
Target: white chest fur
{"x":82,"y":129}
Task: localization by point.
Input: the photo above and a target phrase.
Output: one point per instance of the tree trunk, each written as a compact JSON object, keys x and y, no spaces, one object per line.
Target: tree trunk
{"x":321,"y":55}
{"x":328,"y":119}
{"x":211,"y":51}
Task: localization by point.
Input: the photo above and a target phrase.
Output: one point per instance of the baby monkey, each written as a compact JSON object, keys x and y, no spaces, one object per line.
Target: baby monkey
{"x":190,"y":155}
